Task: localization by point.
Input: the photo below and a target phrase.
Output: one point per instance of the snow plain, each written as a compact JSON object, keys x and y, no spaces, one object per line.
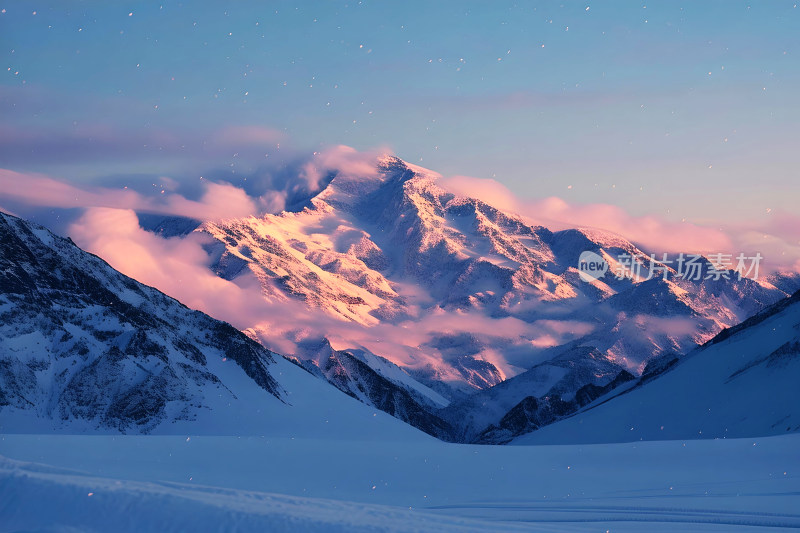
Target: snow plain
{"x":208,"y":483}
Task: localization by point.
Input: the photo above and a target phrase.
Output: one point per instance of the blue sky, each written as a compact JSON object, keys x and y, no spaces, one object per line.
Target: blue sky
{"x":681,"y":110}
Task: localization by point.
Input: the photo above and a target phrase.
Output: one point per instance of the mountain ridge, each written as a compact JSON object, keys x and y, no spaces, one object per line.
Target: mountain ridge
{"x":84,"y":348}
{"x":741,"y":383}
{"x":460,"y":295}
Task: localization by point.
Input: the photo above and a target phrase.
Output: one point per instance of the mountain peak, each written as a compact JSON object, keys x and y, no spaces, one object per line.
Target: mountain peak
{"x":385,"y":245}
{"x":390,"y":162}
{"x":349,"y":188}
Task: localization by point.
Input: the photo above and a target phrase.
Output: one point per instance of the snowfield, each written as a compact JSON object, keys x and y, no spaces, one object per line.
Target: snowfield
{"x":206,"y":483}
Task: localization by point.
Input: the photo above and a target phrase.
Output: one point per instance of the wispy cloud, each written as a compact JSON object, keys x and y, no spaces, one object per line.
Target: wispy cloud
{"x":340,"y":160}
{"x":100,"y":142}
{"x":219,"y":200}
{"x":271,"y":190}
{"x":778,"y":240}
{"x":267,"y":190}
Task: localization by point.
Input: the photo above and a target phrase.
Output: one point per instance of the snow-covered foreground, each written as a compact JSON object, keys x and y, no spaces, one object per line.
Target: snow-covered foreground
{"x":171,"y":483}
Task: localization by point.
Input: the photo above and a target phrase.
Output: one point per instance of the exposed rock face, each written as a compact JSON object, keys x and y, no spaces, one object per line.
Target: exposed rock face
{"x":80,"y":341}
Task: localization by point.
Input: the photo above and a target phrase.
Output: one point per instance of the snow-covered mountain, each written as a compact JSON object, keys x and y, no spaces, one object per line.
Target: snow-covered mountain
{"x":85,"y":348}
{"x":742,"y":383}
{"x":451,"y":296}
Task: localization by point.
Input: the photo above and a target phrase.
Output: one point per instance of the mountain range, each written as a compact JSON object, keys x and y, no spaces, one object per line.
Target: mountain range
{"x":477,"y":308}
{"x":465,"y":321}
{"x":84,"y":348}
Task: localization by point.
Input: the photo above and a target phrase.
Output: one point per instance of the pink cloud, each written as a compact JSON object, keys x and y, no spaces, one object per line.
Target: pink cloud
{"x":41,"y":190}
{"x":248,"y":136}
{"x":220,"y":200}
{"x":655,"y":234}
{"x":343,"y":160}
{"x":9,"y":211}
{"x":177,"y":266}
{"x":777,"y":240}
{"x":488,"y":190}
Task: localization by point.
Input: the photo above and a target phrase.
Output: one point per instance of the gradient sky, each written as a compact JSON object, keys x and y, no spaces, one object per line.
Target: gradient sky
{"x":682,"y":110}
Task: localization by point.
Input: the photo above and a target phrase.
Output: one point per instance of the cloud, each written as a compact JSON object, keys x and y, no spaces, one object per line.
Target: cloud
{"x":9,"y":211}
{"x":89,"y":142}
{"x":83,"y":143}
{"x":340,"y":160}
{"x":281,"y":185}
{"x":653,"y":233}
{"x":233,"y":136}
{"x":289,"y":185}
{"x":219,"y":200}
{"x":488,"y":190}
{"x":778,"y":239}
{"x":177,"y":266}
{"x":268,"y":190}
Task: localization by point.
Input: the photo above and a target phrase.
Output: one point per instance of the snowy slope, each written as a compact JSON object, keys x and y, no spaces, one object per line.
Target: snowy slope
{"x":85,"y":348}
{"x":151,"y":483}
{"x":742,"y":383}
